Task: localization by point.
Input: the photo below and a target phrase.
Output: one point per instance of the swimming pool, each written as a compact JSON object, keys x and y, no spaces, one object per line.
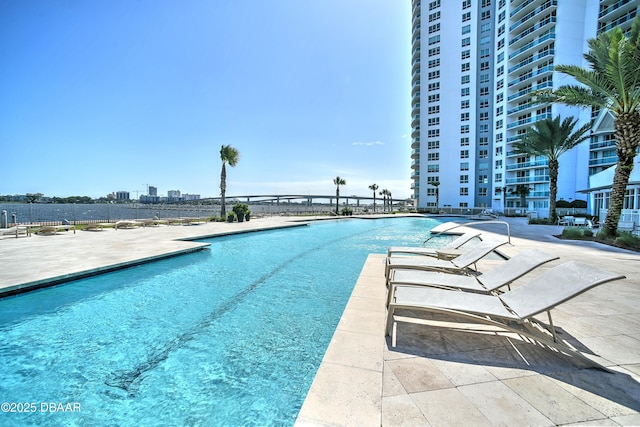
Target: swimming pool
{"x":229,"y":336}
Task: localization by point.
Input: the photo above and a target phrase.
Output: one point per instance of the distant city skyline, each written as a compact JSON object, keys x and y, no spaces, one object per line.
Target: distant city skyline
{"x":113,"y":96}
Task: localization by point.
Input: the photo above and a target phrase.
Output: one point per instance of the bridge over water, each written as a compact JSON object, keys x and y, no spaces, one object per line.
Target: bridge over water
{"x":307,"y":198}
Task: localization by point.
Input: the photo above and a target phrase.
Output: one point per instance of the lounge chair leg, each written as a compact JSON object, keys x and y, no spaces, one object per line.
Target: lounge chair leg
{"x":553,"y":329}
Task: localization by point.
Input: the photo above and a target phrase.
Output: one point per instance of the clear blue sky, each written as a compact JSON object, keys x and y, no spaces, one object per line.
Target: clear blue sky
{"x":99,"y":96}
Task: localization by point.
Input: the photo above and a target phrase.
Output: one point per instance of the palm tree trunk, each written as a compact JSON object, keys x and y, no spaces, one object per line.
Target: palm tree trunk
{"x":223,"y":190}
{"x":553,"y":189}
{"x":337,"y":197}
{"x":627,"y":134}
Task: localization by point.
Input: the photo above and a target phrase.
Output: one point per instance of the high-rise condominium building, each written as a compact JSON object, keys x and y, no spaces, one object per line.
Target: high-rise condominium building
{"x":474,"y":66}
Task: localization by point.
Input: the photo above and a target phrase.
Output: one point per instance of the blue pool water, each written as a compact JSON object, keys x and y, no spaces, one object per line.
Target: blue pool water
{"x":229,"y":336}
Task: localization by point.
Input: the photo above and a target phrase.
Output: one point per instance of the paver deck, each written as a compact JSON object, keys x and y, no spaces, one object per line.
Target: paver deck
{"x":431,"y":377}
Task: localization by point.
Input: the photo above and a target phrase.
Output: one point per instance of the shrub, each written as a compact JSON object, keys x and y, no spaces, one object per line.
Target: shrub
{"x":571,"y":233}
{"x":628,"y":241}
{"x":587,"y":233}
{"x":541,"y":221}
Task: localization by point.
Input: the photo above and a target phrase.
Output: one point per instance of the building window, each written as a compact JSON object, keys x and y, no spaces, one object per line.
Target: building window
{"x":483,"y":141}
{"x":466,"y":41}
{"x":500,"y":71}
{"x":434,"y":4}
{"x":434,"y":39}
{"x":464,"y":104}
{"x":499,"y":98}
{"x":464,"y":141}
{"x":464,"y":179}
{"x":484,"y":91}
{"x":433,"y":98}
{"x":483,"y":154}
{"x":433,"y":133}
{"x":466,"y":4}
{"x":500,"y":43}
{"x":466,"y":54}
{"x":465,"y":67}
{"x":434,"y":63}
{"x":466,"y":16}
{"x":485,"y":15}
{"x":435,"y":109}
{"x":502,"y":16}
{"x":433,"y":86}
{"x":498,"y":178}
{"x":434,"y":28}
{"x":435,"y":121}
{"x":501,"y":57}
{"x":464,"y":154}
{"x":433,"y":168}
{"x":464,"y":191}
{"x":484,"y":78}
{"x":433,"y":156}
{"x":483,"y":179}
{"x":498,"y":164}
{"x":465,"y":91}
{"x":500,"y":84}
{"x":464,"y":166}
{"x":464,"y":129}
{"x":433,"y":75}
{"x":466,"y":79}
{"x":484,"y":115}
{"x":431,"y":179}
{"x":499,"y":151}
{"x":433,"y":145}
{"x":434,"y":51}
{"x":464,"y":204}
{"x":483,"y":128}
{"x":434,"y":16}
{"x":501,"y":30}
{"x":482,"y":192}
{"x":499,"y":110}
{"x":485,"y":28}
{"x":464,"y":117}
{"x":484,"y":65}
{"x":484,"y":103}
{"x":499,"y":124}
{"x":466,"y":29}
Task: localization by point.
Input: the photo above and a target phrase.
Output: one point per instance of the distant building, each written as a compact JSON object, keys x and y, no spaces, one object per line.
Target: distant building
{"x":149,"y":199}
{"x":190,"y":197}
{"x":122,"y":195}
{"x":153,"y":191}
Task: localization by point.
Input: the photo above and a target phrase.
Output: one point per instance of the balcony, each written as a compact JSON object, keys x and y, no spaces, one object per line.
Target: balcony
{"x":532,"y":31}
{"x":616,"y":7}
{"x":528,"y":90}
{"x":528,"y":179}
{"x":415,"y":186}
{"x":533,"y":44}
{"x":520,"y":8}
{"x":539,"y":10}
{"x":521,"y":108}
{"x":618,"y":22}
{"x":526,"y":165}
{"x":528,"y":120}
{"x":415,"y":153}
{"x":415,"y":174}
{"x":603,"y":161}
{"x":531,"y":60}
{"x":532,"y":74}
{"x":415,"y":143}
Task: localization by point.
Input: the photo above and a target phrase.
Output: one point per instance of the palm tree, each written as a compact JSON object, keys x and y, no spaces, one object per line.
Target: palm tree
{"x":522,"y":191}
{"x":384,"y":193}
{"x":374,"y":187}
{"x":551,"y":139}
{"x":436,"y":184}
{"x":229,"y":155}
{"x":338,"y":182}
{"x":612,"y":82}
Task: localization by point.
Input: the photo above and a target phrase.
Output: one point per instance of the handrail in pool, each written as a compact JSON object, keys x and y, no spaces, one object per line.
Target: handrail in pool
{"x":473,"y":222}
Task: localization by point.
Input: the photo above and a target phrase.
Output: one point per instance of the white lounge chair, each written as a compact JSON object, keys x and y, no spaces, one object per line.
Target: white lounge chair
{"x":460,"y":264}
{"x":414,"y":250}
{"x":486,"y":283}
{"x":512,"y":311}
